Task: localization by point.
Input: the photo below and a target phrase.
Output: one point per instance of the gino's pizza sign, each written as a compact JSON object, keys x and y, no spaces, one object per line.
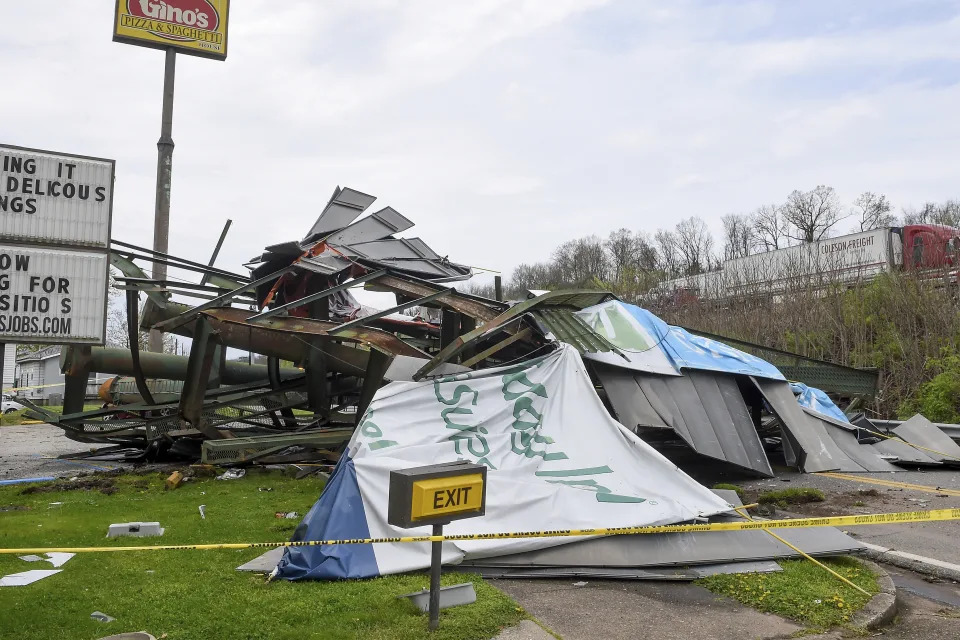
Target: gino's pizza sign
{"x":196,"y":27}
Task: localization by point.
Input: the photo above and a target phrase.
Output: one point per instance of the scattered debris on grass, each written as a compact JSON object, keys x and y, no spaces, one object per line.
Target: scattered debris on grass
{"x":135,"y":529}
{"x":232,"y":474}
{"x":101,"y":616}
{"x":104,"y":484}
{"x":174,"y":480}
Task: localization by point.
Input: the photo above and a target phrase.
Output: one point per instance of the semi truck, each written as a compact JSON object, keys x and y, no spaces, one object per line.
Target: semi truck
{"x":846,"y":260}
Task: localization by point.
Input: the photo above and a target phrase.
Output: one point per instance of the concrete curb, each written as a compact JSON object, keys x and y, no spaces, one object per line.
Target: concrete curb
{"x":882,"y":608}
{"x":913,"y":562}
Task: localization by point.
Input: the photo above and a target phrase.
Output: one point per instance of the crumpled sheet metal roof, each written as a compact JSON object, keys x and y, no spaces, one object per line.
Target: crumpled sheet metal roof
{"x":575,"y":300}
{"x":806,"y":442}
{"x":366,"y":243}
{"x":706,"y":409}
{"x":344,"y":207}
{"x":844,"y":435}
{"x":814,"y":442}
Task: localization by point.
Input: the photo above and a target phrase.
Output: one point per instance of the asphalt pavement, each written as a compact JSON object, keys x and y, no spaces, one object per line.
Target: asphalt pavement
{"x":936,"y":540}
{"x":30,"y":451}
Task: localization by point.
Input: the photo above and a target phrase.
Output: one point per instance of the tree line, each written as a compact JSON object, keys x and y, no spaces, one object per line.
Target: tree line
{"x":904,"y":324}
{"x":639,"y":260}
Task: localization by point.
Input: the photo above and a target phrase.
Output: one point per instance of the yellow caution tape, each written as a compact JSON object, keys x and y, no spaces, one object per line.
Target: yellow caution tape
{"x":39,"y":386}
{"x":891,"y":483}
{"x":799,"y":523}
{"x":743,"y":512}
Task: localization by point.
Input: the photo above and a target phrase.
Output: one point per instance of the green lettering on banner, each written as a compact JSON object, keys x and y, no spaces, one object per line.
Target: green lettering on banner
{"x":457,"y":394}
{"x":522,"y":444}
{"x":520,"y":377}
{"x":566,"y":473}
{"x":603,"y":494}
{"x":369,"y":429}
{"x":476,"y":444}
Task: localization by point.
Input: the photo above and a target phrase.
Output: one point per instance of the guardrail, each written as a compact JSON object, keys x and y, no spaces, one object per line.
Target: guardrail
{"x":952,"y":430}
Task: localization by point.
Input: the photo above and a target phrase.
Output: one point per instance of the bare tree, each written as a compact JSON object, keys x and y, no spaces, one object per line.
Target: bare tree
{"x":872,"y":211}
{"x":769,"y":227}
{"x":946,"y":213}
{"x":695,"y":245}
{"x":668,"y":256}
{"x":739,"y":236}
{"x":530,"y":276}
{"x":579,"y":261}
{"x":811,"y":214}
{"x":119,"y":336}
{"x":622,"y":248}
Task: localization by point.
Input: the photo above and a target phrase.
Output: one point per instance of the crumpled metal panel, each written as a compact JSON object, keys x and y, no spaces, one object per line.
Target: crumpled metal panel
{"x":382,"y":224}
{"x":326,"y":263}
{"x":344,"y":207}
{"x":705,"y":409}
{"x":681,"y":549}
{"x":923,"y":433}
{"x":844,"y":435}
{"x":621,"y":573}
{"x":808,"y":440}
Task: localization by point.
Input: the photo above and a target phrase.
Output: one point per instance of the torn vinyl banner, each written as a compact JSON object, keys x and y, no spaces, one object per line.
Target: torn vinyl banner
{"x":555,"y":459}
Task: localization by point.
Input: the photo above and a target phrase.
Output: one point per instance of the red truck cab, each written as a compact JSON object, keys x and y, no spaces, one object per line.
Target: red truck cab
{"x":930,"y":246}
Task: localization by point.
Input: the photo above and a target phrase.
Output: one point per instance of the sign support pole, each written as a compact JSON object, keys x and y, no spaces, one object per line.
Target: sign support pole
{"x":161,"y":221}
{"x":435,"y":559}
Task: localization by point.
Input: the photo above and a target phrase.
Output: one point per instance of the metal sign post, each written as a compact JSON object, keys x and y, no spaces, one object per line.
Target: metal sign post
{"x":161,"y":220}
{"x":436,"y":494}
{"x":193,"y":27}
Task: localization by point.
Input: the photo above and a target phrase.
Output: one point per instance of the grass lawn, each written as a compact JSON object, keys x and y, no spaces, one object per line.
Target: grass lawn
{"x":802,"y":591}
{"x":199,"y":594}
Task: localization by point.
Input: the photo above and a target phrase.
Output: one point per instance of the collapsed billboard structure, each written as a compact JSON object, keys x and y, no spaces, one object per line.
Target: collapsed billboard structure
{"x":585,"y":410}
{"x":694,"y":398}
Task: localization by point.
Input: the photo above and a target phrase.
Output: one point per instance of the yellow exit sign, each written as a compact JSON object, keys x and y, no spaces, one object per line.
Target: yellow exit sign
{"x":436,"y":494}
{"x":446,"y":496}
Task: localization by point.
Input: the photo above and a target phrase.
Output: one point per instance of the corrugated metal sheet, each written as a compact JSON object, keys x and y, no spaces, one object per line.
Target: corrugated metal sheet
{"x":813,"y":442}
{"x":71,"y":197}
{"x":937,"y":445}
{"x":844,"y":435}
{"x":344,"y":207}
{"x":705,"y":409}
{"x":570,"y":328}
{"x":680,"y":549}
{"x":808,"y":439}
{"x":54,"y":295}
{"x":382,"y":224}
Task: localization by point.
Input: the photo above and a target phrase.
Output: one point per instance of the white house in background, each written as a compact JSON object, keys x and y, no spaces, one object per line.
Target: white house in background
{"x":40,"y":372}
{"x":38,"y":369}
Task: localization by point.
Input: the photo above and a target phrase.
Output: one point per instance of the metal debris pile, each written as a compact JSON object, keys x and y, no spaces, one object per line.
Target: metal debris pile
{"x":318,"y":356}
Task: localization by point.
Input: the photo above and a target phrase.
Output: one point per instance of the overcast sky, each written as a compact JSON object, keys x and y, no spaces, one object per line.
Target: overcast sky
{"x":501,"y":127}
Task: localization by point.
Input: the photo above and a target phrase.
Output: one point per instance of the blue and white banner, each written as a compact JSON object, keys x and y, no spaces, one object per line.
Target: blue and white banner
{"x":652,"y":345}
{"x":555,"y":460}
{"x":816,"y":400}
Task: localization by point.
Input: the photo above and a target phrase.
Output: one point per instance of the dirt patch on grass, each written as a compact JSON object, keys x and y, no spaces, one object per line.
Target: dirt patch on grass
{"x":861,"y":501}
{"x":102,"y":484}
{"x":13,"y":507}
